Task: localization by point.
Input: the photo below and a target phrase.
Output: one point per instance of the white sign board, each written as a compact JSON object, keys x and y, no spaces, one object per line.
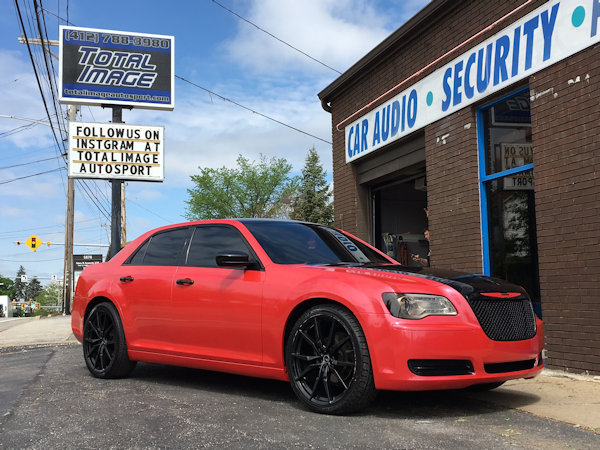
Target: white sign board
{"x":556,"y":30}
{"x":513,"y":156}
{"x":117,"y":151}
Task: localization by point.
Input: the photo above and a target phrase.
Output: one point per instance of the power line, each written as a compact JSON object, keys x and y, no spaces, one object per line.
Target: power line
{"x":31,"y":261}
{"x":150,"y":211}
{"x":89,"y":194}
{"x":232,"y":101}
{"x":274,"y":37}
{"x":37,"y":77}
{"x":18,"y":130}
{"x":45,"y":227}
{"x":32,"y":175}
{"x":252,"y":110}
{"x":50,"y":72}
{"x":31,"y":162}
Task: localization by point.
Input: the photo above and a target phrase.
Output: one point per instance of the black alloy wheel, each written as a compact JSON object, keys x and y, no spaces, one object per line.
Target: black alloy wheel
{"x":104,"y":347}
{"x":328,"y":361}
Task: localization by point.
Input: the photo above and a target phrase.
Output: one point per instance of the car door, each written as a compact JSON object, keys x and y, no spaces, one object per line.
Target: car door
{"x":145,"y":283}
{"x":218,"y":309}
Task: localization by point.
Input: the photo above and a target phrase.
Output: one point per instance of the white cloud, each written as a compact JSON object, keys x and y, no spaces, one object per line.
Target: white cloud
{"x":336,"y":32}
{"x":212,"y":134}
{"x":12,"y":212}
{"x":41,"y":187}
{"x":21,"y":98}
{"x":143,"y":192}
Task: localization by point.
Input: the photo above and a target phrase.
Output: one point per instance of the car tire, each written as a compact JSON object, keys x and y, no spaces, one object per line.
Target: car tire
{"x":328,"y":361}
{"x":104,"y":346}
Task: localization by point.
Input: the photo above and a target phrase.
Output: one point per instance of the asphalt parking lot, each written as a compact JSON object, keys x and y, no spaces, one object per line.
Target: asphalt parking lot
{"x":49,"y":400}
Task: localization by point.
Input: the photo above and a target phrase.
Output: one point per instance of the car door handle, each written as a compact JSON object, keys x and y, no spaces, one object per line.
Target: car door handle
{"x":185,"y":282}
{"x":126,"y":279}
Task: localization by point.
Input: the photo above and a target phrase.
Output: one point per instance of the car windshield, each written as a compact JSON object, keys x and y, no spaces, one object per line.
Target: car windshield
{"x":302,"y":243}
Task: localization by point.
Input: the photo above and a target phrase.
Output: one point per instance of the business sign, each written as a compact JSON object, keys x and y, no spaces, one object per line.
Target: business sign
{"x":116,"y":151}
{"x":549,"y":34}
{"x":116,"y":68}
{"x":513,"y":156}
{"x":80,"y":262}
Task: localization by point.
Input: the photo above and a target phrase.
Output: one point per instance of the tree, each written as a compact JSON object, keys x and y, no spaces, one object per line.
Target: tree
{"x":20,"y":286}
{"x":51,"y":295}
{"x":7,"y":287}
{"x":252,"y":189}
{"x":314,"y":201}
{"x":33,"y":289}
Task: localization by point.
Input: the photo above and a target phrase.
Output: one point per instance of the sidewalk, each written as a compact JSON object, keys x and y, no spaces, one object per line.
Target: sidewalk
{"x":573,"y":399}
{"x":557,"y":395}
{"x":16,"y":332}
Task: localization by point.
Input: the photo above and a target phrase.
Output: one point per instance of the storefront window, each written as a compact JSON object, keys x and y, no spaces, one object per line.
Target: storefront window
{"x":507,"y":177}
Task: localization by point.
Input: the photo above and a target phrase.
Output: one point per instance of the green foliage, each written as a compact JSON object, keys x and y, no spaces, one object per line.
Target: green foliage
{"x":19,"y":286}
{"x":314,"y":201}
{"x":24,"y":291}
{"x":33,"y":289}
{"x":252,"y":189}
{"x":7,"y":287}
{"x":51,"y":295}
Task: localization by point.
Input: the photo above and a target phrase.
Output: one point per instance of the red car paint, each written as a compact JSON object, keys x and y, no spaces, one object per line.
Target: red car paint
{"x":235,"y":319}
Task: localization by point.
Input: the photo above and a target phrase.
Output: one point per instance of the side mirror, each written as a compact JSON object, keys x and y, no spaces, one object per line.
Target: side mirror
{"x":233,"y":259}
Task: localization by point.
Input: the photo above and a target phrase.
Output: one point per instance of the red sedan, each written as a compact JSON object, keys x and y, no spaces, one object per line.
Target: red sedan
{"x":305,"y":303}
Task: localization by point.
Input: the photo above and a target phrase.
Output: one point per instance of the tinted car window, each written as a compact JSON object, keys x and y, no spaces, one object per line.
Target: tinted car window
{"x":299,"y":243}
{"x":163,"y":249}
{"x":138,"y":257}
{"x":208,"y":241}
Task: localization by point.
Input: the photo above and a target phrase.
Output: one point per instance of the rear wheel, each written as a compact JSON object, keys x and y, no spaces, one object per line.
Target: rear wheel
{"x":328,"y":361}
{"x":104,"y":346}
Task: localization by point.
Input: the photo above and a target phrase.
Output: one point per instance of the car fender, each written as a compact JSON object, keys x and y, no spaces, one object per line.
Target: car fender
{"x":284,"y":302}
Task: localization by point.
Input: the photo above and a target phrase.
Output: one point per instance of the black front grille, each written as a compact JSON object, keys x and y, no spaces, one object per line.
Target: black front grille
{"x":505,"y":319}
{"x":513,"y":366}
{"x":440,"y":367}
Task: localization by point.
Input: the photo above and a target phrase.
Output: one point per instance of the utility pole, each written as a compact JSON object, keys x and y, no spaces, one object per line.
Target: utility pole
{"x":116,"y":216}
{"x":123,"y":216}
{"x":70,"y":207}
{"x":69,"y":219}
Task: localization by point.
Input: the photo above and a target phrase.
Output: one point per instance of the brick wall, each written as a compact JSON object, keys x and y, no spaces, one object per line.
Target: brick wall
{"x":453,"y":192}
{"x":443,"y":34}
{"x":566,"y":142}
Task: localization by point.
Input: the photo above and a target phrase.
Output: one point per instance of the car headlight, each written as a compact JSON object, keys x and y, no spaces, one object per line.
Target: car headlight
{"x":417,"y":306}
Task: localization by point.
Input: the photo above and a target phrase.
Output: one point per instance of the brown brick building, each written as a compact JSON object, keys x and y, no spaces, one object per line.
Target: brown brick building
{"x":486,"y":113}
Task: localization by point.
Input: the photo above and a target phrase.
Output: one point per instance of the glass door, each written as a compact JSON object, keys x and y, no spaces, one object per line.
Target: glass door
{"x":507,"y":191}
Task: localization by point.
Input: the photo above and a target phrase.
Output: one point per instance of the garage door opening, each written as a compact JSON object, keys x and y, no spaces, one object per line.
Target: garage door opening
{"x":400,"y":219}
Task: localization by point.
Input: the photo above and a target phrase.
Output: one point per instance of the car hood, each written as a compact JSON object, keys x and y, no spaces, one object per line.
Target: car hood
{"x":468,"y":285}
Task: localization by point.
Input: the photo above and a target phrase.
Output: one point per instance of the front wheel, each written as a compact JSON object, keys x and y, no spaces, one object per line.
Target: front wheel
{"x":104,"y":346}
{"x":328,"y":361}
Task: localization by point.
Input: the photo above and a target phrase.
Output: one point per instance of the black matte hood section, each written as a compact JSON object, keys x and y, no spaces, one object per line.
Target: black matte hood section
{"x":466,"y":284}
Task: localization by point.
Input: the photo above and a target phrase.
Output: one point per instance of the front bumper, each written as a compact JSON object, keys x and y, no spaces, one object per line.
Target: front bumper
{"x":446,"y":353}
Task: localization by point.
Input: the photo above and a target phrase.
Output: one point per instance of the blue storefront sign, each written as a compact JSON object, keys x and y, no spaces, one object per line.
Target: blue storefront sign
{"x":551,"y":33}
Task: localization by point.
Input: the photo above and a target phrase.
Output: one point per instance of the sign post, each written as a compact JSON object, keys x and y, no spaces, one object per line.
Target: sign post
{"x":115,"y":69}
{"x":117,"y":186}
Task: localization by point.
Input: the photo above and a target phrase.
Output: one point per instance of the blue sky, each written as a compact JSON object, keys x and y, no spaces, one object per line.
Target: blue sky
{"x":214,"y":49}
